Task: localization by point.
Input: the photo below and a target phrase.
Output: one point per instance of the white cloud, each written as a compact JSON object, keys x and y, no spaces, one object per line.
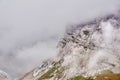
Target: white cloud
{"x":26,"y":22}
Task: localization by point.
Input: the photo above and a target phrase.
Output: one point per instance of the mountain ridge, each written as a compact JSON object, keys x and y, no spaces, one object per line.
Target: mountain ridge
{"x":86,"y":52}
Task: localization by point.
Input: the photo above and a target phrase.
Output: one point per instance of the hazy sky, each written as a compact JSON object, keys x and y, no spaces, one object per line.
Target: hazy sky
{"x":30,"y":29}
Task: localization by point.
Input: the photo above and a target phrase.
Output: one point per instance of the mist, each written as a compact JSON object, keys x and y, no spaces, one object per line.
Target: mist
{"x":31,"y":29}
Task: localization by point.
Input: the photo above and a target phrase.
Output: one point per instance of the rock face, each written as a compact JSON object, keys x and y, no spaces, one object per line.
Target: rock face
{"x":86,"y":49}
{"x":4,"y":76}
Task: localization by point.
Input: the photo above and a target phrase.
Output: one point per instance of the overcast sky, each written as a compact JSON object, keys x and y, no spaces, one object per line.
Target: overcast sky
{"x":30,"y":29}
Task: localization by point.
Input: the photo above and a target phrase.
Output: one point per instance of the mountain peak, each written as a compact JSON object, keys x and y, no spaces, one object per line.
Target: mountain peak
{"x":87,"y":50}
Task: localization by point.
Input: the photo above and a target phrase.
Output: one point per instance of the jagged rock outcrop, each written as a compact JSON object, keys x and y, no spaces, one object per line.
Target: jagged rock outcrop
{"x":4,"y":76}
{"x":91,"y":48}
{"x":87,"y":49}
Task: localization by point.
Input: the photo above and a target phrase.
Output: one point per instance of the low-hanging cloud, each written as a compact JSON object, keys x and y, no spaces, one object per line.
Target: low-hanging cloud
{"x":30,"y":29}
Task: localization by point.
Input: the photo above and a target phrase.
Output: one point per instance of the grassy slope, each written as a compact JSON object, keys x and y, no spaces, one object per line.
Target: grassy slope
{"x":106,"y":75}
{"x":110,"y":76}
{"x":101,"y":77}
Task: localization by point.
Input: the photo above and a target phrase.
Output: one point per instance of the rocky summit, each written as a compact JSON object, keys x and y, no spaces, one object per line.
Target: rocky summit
{"x":87,"y":51}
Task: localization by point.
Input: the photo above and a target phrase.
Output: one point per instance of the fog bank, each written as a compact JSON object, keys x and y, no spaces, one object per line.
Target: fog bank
{"x":30,"y":29}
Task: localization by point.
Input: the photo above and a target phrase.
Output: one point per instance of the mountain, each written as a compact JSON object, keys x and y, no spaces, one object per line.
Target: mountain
{"x":87,"y":51}
{"x":4,"y":76}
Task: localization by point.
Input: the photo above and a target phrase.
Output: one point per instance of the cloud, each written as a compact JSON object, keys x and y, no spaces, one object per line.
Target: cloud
{"x":30,"y":29}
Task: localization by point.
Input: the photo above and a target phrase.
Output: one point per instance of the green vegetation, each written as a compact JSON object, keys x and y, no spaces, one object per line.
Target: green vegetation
{"x":48,"y":74}
{"x":80,"y":78}
{"x":108,"y":77}
{"x":59,"y":74}
{"x":56,"y":70}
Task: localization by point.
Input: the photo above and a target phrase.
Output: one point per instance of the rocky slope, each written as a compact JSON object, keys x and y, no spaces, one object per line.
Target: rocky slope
{"x":4,"y":76}
{"x":88,"y":50}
